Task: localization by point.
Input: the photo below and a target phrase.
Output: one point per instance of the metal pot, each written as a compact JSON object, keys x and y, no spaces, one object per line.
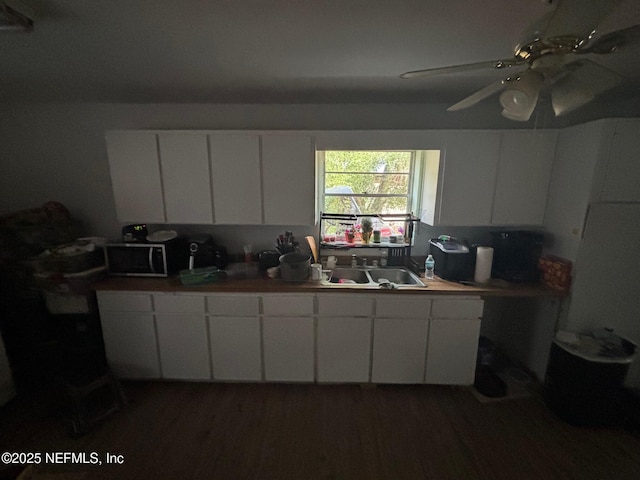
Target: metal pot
{"x":294,"y":267}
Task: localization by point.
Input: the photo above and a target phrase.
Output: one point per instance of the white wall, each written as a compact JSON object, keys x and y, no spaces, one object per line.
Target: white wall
{"x":57,"y":151}
{"x":601,"y":239}
{"x":577,"y":153}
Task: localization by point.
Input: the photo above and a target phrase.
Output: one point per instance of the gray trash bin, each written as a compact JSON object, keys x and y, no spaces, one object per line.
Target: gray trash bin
{"x":585,"y":376}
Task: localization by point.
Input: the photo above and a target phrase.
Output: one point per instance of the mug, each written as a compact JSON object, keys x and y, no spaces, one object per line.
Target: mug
{"x":316,"y":272}
{"x":331,"y":262}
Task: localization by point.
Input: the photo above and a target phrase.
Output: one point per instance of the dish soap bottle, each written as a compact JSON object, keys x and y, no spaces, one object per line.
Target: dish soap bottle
{"x":429,"y":265}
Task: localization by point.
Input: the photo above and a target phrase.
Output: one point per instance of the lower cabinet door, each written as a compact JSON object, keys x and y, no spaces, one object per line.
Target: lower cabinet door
{"x":288,"y":349}
{"x":399,"y":350}
{"x":235,"y":348}
{"x":184,"y":351}
{"x":452,"y":351}
{"x":344,"y":346}
{"x":130,"y":344}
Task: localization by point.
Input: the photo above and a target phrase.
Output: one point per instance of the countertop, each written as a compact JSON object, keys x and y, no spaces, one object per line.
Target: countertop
{"x":495,"y":288}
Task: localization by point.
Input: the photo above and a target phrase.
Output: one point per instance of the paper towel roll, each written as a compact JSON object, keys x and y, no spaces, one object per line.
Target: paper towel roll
{"x":484,"y":259}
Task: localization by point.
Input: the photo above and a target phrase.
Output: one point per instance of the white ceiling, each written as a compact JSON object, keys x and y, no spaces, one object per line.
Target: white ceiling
{"x":272,"y":51}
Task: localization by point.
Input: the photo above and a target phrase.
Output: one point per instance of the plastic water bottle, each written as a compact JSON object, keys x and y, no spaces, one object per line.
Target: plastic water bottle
{"x":429,"y":265}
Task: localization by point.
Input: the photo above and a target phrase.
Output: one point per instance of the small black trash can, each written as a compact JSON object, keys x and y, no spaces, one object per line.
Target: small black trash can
{"x":585,"y":376}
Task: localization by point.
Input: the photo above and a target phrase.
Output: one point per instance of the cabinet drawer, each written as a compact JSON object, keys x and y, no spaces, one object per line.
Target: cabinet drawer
{"x":403,"y":306}
{"x":287,"y":304}
{"x":457,"y":308}
{"x":184,"y":304}
{"x":345,"y":305}
{"x":233,"y":306}
{"x":124,"y":302}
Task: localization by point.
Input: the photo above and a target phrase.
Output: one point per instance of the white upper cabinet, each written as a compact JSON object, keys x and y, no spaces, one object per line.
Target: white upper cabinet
{"x":468,"y":178}
{"x":288,"y":179}
{"x":621,"y":182}
{"x":524,"y":172}
{"x":184,"y":162}
{"x":206,"y":177}
{"x":489,"y":178}
{"x":135,"y":176}
{"x":235,"y":177}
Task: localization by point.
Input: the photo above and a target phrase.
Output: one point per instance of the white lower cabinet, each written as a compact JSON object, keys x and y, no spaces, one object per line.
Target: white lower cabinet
{"x":344,"y":346}
{"x":235,"y":348}
{"x":234,"y":337}
{"x":399,"y":350}
{"x":288,"y":349}
{"x":128,"y":330}
{"x":400,"y":339}
{"x":130,"y":344}
{"x":344,"y":338}
{"x":329,"y":338}
{"x":183,"y":347}
{"x":452,"y":351}
{"x":182,"y":336}
{"x":454,"y":332}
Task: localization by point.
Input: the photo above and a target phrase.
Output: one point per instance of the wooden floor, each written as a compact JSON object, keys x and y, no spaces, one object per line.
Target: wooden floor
{"x":265,"y":431}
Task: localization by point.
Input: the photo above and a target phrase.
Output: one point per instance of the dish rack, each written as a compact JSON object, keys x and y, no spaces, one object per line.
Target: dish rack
{"x":399,"y":249}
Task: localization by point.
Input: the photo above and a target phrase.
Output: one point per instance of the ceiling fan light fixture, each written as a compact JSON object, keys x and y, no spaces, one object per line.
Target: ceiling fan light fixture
{"x":519,"y":99}
{"x":565,"y":100}
{"x":515,"y":100}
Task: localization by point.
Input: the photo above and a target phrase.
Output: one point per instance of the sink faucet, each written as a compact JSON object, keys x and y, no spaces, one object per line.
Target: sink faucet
{"x":354,"y":261}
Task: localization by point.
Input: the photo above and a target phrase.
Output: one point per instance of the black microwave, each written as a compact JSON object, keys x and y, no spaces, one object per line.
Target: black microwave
{"x":140,"y":259}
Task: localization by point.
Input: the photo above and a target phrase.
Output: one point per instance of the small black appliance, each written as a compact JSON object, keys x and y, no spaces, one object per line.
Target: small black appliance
{"x":134,"y":233}
{"x":268,"y":259}
{"x":516,"y":254}
{"x":203,"y":252}
{"x":454,"y":260}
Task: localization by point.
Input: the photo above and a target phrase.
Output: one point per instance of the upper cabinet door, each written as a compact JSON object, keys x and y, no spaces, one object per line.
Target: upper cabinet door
{"x":288,"y":176}
{"x":524,"y":172}
{"x":468,"y":178}
{"x":185,"y":177}
{"x":235,"y":177}
{"x":135,"y":177}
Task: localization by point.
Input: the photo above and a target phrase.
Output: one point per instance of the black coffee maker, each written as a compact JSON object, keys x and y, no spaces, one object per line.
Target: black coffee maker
{"x":516,"y":254}
{"x":203,"y":252}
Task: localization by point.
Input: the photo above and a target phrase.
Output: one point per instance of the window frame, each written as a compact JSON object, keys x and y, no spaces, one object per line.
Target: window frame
{"x":414,"y":174}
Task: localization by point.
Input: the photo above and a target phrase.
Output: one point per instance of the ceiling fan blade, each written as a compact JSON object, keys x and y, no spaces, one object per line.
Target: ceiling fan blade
{"x":471,"y":100}
{"x":430,"y":72}
{"x":577,"y":18}
{"x":581,"y":82}
{"x":613,"y":41}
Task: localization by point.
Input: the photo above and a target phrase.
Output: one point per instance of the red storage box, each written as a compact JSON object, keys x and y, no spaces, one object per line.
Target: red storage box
{"x":556,"y":272}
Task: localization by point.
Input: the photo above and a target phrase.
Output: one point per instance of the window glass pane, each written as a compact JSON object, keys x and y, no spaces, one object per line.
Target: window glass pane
{"x":370,"y":205}
{"x":373,"y":162}
{"x":366,"y":183}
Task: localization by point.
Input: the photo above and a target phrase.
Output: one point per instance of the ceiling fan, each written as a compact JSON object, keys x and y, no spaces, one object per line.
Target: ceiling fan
{"x":554,"y":54}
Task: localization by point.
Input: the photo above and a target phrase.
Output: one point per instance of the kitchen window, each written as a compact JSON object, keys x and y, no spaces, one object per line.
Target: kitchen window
{"x":371,"y":182}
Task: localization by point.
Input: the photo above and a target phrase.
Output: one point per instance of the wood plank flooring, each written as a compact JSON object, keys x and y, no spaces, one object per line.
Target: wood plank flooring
{"x":270,"y":431}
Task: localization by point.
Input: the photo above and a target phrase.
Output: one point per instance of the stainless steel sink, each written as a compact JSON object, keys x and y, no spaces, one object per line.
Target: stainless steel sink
{"x":349,"y":276}
{"x":372,"y":277}
{"x":399,"y":276}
